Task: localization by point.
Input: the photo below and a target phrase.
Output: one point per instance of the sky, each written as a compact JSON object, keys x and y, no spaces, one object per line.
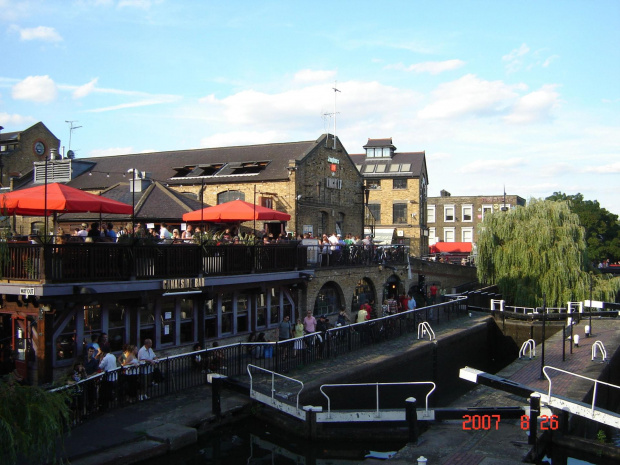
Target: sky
{"x":522,"y":95}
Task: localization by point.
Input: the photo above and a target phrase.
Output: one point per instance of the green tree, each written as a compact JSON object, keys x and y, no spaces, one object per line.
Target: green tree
{"x":32,"y":423}
{"x":602,"y":228}
{"x":539,"y":249}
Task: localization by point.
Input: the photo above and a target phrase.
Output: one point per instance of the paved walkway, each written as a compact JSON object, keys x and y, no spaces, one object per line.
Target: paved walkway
{"x":154,"y":427}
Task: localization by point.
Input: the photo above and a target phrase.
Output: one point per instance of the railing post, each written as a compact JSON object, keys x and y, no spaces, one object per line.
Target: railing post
{"x":534,"y":413}
{"x":411,"y":416}
{"x":216,"y":392}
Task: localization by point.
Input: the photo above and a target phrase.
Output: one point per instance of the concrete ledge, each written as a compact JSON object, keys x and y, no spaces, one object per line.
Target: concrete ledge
{"x":176,"y":436}
{"x":128,"y":453}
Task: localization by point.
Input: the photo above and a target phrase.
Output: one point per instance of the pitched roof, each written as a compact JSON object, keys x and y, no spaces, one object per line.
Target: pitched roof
{"x":379,"y":143}
{"x":250,"y":163}
{"x":401,"y":164}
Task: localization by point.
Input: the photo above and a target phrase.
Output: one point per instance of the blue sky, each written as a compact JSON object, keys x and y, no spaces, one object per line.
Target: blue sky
{"x":524,"y":94}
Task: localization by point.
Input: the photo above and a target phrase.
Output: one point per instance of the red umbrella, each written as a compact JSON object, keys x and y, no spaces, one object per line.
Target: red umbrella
{"x":60,"y":199}
{"x":237,"y":210}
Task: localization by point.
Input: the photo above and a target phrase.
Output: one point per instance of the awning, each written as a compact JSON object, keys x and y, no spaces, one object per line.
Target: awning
{"x":384,"y":236}
{"x":451,"y":247}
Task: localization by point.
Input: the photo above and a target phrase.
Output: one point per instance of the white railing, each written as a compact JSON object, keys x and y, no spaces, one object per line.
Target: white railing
{"x":377,"y":385}
{"x":595,"y":381}
{"x":531,"y":344}
{"x":273,"y":374}
{"x":524,"y":310}
{"x":599,"y":345}
{"x":423,"y":329}
{"x":495,"y":302}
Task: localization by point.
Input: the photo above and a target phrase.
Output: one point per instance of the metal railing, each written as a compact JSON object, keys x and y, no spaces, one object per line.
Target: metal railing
{"x":121,"y":261}
{"x":123,"y":386}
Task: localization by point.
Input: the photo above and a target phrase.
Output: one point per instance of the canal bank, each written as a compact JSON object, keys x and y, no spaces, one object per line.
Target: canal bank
{"x":165,"y":425}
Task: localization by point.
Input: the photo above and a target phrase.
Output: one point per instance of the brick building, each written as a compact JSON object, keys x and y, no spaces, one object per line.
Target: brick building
{"x":396,"y":188}
{"x":18,"y":150}
{"x":456,"y":219}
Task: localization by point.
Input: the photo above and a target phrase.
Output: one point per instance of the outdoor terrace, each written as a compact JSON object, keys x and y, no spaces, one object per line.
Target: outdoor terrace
{"x":109,"y":261}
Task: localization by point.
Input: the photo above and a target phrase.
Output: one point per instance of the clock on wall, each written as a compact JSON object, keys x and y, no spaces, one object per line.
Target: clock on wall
{"x":39,"y":148}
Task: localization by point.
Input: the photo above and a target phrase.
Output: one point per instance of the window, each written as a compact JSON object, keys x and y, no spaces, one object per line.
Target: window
{"x":147,"y":322}
{"x":229,"y":196}
{"x":261,"y":311}
{"x":374,"y":183}
{"x":210,"y":309}
{"x":486,"y":210}
{"x":168,"y":319}
{"x":65,"y":344}
{"x":448,"y":214}
{"x":399,"y":184}
{"x":467,"y":235}
{"x":227,"y":313}
{"x":432,"y":238}
{"x":266,"y":202}
{"x":467,"y":212}
{"x":187,"y":321}
{"x":117,"y":316}
{"x":448,"y":234}
{"x":375,"y":210}
{"x":370,"y":153}
{"x":243,"y":308}
{"x":327,"y":301}
{"x":430,"y":209}
{"x":386,"y":151}
{"x":399,"y":213}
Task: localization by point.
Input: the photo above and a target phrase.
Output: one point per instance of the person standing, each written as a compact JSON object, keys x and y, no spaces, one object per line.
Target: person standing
{"x":411,"y":303}
{"x":148,"y":357}
{"x":433,"y":291}
{"x":309,"y":323}
{"x":107,"y":365}
{"x":285,"y":329}
{"x":164,"y":233}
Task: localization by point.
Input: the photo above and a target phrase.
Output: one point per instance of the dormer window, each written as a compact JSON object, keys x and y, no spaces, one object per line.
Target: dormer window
{"x":253,"y":167}
{"x":378,"y":152}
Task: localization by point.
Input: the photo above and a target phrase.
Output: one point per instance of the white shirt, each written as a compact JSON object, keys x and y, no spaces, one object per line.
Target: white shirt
{"x":82,"y":233}
{"x":108,"y":363}
{"x":144,"y":355}
{"x":164,"y":233}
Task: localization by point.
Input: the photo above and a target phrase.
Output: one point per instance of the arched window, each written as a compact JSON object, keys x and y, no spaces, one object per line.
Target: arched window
{"x":229,"y":196}
{"x":364,"y":292}
{"x":328,"y":301}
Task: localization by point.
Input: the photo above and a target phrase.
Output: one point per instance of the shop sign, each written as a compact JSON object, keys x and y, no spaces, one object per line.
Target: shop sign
{"x":183,"y":283}
{"x":26,"y":290}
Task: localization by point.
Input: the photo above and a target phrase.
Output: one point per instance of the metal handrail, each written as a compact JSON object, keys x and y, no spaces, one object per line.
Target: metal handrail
{"x":273,"y":375}
{"x":425,"y":326}
{"x":531,"y":343}
{"x":599,"y":345}
{"x":595,"y":381}
{"x":408,"y":383}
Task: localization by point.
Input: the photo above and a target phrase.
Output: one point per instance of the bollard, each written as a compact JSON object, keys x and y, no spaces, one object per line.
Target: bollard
{"x":576,"y":340}
{"x":588,"y":332}
{"x":216,"y":392}
{"x":534,"y":414}
{"x":422,"y":460}
{"x":411,"y":415}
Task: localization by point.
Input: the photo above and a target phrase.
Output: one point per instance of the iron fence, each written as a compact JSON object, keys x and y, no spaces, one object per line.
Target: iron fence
{"x":127,"y":385}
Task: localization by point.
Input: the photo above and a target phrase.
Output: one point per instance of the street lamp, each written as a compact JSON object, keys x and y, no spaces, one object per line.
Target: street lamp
{"x":135,"y":174}
{"x":589,"y":332}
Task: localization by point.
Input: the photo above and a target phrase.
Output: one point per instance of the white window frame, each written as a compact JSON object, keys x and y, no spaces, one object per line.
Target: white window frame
{"x":449,"y":231}
{"x":430,"y":214}
{"x":432,"y":239}
{"x":446,"y":209}
{"x":467,"y":232}
{"x":464,"y":208}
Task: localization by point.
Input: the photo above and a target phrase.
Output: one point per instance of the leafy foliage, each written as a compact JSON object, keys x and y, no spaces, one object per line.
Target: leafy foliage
{"x":535,"y":250}
{"x":602,"y":227}
{"x":31,"y":423}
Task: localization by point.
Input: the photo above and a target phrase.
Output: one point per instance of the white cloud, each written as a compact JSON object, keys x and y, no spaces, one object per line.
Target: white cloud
{"x":550,"y":59}
{"x":535,"y":106}
{"x":40,"y":89}
{"x":514,"y":60}
{"x":85,"y":89}
{"x":47,"y":34}
{"x":309,"y":75}
{"x":16,"y":120}
{"x":122,"y":106}
{"x":611,"y":168}
{"x":431,"y":67}
{"x":470,"y":95}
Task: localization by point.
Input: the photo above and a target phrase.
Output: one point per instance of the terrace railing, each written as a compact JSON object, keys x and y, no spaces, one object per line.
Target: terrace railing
{"x":55,"y":263}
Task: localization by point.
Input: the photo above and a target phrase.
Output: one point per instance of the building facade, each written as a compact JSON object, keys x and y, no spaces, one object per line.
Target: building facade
{"x":396,"y":186}
{"x":456,"y":218}
{"x":18,"y":150}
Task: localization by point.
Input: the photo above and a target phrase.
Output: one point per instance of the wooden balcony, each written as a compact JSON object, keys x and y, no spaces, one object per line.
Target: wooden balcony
{"x":83,"y":262}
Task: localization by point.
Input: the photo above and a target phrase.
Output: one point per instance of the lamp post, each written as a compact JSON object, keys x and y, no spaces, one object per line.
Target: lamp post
{"x":542,"y":360}
{"x":365,"y":208}
{"x":590,"y":332}
{"x":132,"y":185}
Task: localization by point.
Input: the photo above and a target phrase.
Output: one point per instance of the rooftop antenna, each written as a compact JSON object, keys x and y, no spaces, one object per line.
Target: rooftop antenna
{"x":333,"y":114}
{"x":504,"y":208}
{"x":71,"y":129}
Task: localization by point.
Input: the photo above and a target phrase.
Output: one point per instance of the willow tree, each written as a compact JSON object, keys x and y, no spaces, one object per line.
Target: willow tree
{"x":32,"y":423}
{"x":539,"y":249}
